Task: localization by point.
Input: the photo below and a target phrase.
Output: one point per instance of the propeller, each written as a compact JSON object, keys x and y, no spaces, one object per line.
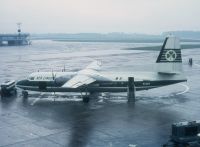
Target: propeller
{"x":64,"y":69}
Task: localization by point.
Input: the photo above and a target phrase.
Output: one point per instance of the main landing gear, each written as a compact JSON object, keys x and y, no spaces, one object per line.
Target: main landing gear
{"x":25,"y":94}
{"x":86,"y":97}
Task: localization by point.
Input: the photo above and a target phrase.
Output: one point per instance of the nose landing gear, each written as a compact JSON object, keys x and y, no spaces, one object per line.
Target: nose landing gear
{"x":25,"y":94}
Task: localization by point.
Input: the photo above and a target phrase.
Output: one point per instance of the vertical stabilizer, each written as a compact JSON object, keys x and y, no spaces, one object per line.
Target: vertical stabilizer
{"x":169,"y":59}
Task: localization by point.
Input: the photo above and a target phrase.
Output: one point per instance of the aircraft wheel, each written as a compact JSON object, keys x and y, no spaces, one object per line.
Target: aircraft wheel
{"x":15,"y":91}
{"x":3,"y":94}
{"x":25,"y":94}
{"x":86,"y":99}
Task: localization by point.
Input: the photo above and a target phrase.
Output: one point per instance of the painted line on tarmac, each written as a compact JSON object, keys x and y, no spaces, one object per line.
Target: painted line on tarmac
{"x":132,"y":145}
{"x":197,"y":65}
{"x":37,"y":99}
{"x":187,"y":88}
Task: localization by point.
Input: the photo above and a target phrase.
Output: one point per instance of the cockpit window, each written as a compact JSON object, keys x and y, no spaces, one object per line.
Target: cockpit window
{"x":31,"y":78}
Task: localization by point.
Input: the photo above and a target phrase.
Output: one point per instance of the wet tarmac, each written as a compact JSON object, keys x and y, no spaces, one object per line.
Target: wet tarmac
{"x":48,"y":119}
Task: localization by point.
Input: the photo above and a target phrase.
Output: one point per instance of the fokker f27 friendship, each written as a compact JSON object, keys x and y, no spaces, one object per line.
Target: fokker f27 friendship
{"x":91,"y":79}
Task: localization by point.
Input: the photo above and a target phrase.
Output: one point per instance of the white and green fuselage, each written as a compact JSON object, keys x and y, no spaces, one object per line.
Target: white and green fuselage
{"x":169,"y":71}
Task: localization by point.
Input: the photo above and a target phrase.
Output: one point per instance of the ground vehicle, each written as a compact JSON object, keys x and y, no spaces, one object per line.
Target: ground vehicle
{"x":8,"y":88}
{"x":185,"y":134}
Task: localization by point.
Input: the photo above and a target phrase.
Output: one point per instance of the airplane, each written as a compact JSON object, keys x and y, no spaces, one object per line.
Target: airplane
{"x":91,"y":80}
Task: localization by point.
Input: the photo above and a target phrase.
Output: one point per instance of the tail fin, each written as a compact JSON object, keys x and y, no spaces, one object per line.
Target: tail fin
{"x":169,"y":60}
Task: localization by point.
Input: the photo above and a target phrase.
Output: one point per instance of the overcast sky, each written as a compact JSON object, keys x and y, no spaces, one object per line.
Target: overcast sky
{"x":101,"y":16}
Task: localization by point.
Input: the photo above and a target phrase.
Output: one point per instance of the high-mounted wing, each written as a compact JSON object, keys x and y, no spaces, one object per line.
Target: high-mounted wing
{"x":79,"y":80}
{"x":96,"y":65}
{"x":85,"y":76}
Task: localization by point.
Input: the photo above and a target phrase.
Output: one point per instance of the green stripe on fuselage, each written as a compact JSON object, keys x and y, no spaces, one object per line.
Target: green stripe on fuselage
{"x":98,"y":86}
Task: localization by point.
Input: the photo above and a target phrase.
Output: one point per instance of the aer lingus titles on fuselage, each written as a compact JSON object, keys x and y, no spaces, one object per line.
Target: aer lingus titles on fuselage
{"x":91,"y":79}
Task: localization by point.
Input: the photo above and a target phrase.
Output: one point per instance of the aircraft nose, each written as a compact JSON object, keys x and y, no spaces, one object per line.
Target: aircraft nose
{"x":18,"y":83}
{"x":21,"y":83}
